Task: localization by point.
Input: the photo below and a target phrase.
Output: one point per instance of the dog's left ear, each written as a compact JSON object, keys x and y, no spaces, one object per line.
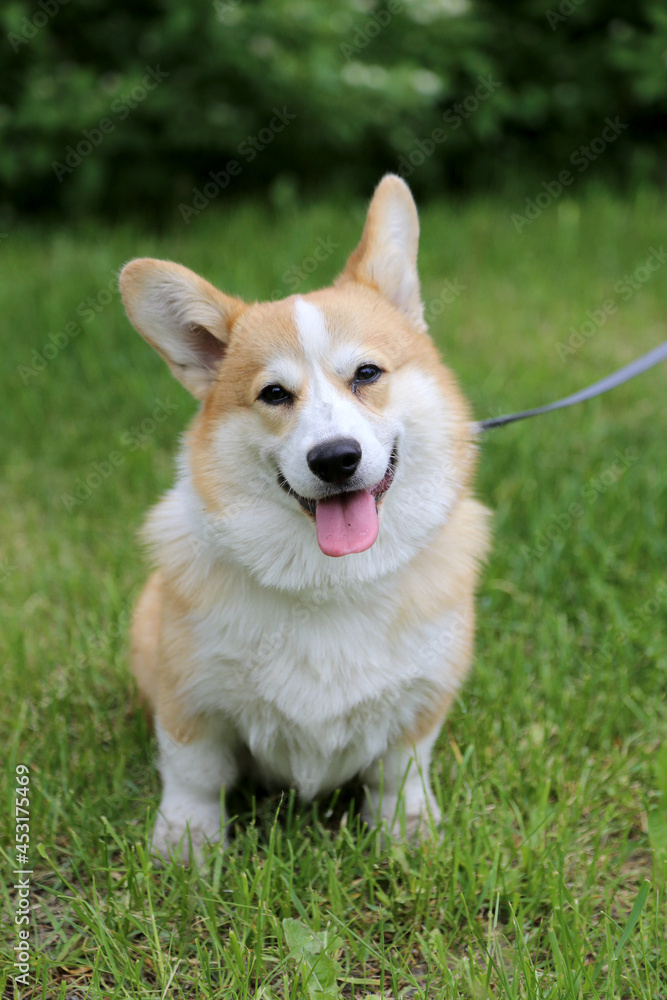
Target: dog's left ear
{"x":183,"y":317}
{"x":386,"y":258}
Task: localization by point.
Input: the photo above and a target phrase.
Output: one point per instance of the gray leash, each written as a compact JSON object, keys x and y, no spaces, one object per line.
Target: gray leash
{"x":642,"y":364}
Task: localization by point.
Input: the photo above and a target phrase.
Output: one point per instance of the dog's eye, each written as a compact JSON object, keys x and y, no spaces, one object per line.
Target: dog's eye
{"x":366,"y":373}
{"x":273,"y":394}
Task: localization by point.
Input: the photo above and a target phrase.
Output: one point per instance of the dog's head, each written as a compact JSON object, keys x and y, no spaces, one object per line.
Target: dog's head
{"x":329,"y":427}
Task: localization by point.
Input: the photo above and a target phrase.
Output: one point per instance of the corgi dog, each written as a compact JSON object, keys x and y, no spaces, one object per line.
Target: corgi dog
{"x":311,"y":613}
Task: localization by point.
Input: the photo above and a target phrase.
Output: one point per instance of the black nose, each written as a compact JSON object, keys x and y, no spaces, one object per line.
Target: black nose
{"x":335,"y":461}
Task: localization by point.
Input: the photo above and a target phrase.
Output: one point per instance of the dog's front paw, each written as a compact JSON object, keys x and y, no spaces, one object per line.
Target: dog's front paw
{"x":415,"y":820}
{"x":181,"y":834}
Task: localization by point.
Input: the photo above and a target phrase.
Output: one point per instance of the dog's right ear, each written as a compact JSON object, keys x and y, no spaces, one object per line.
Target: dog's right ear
{"x":182,"y":316}
{"x":386,"y":258}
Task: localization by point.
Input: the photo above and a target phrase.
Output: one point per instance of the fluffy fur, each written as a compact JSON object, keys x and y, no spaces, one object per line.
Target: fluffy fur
{"x":255,"y":651}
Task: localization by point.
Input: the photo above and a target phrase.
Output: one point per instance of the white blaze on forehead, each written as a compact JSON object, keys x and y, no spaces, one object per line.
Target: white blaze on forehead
{"x":312,"y":330}
{"x":328,"y":408}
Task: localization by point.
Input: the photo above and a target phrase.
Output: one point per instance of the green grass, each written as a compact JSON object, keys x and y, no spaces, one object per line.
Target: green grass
{"x":552,"y":770}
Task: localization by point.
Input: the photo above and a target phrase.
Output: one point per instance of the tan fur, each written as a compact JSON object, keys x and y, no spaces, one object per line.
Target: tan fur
{"x":445,"y":574}
{"x":176,"y":643}
{"x":160,"y":651}
{"x":432,"y":718}
{"x":144,"y":636}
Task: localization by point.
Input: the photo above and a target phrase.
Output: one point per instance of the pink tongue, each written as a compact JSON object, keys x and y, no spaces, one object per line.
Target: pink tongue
{"x":346,"y":523}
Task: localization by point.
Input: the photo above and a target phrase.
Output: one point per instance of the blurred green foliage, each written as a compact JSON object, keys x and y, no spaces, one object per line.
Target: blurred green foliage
{"x":86,"y":125}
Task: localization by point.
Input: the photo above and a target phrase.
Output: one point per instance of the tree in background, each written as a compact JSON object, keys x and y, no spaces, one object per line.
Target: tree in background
{"x":118,"y":108}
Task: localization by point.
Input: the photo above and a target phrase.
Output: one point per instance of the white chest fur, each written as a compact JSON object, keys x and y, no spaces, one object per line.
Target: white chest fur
{"x":317,"y":691}
{"x":316,"y":683}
